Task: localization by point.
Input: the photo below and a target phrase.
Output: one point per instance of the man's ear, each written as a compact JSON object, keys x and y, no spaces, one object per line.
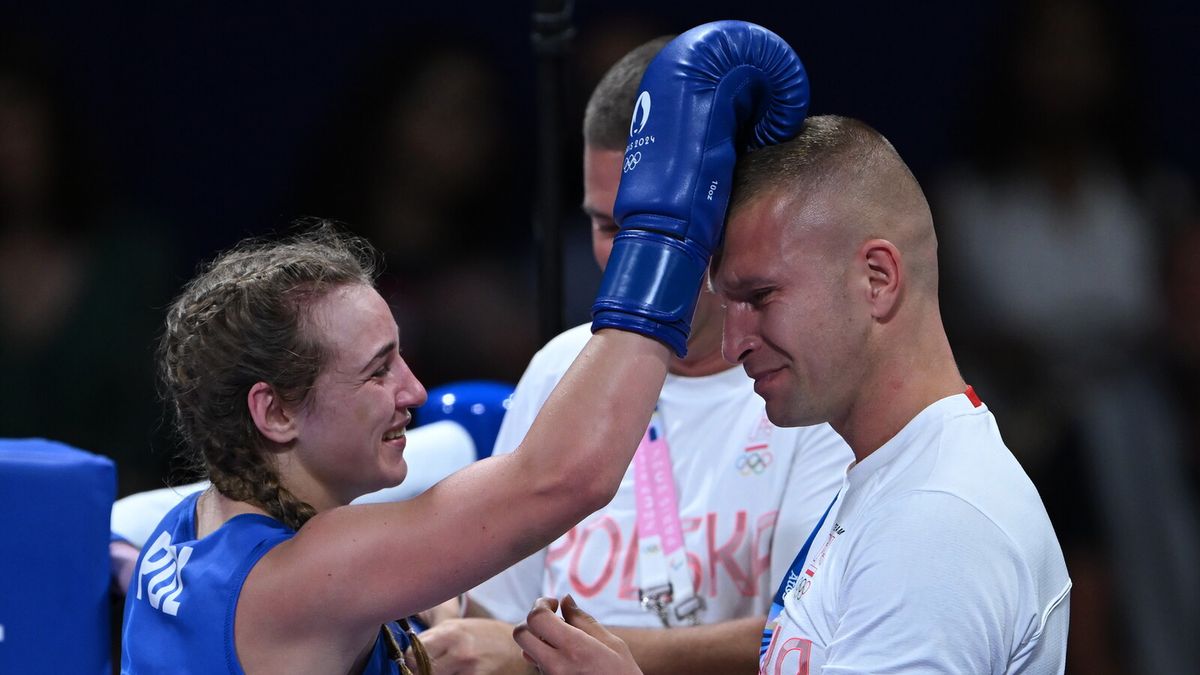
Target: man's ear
{"x":885,"y":276}
{"x":274,"y":421}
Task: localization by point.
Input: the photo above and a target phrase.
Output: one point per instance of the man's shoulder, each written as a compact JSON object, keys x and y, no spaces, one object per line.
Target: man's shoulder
{"x":975,"y":464}
{"x":969,"y":489}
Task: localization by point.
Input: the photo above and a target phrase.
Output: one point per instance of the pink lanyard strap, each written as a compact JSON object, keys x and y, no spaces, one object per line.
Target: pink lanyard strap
{"x":665,"y":581}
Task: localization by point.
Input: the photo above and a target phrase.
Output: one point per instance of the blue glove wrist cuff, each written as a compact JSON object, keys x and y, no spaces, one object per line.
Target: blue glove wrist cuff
{"x":650,"y":286}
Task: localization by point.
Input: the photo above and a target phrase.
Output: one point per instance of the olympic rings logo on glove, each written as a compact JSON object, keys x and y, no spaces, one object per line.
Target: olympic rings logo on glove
{"x":631,"y":162}
{"x":753,"y":462}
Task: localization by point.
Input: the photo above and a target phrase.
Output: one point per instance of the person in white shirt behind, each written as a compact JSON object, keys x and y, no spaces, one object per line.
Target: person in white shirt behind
{"x":937,"y":555}
{"x":748,"y":492}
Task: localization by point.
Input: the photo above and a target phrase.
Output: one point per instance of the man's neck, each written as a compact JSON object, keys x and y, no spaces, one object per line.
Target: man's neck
{"x":897,"y":392}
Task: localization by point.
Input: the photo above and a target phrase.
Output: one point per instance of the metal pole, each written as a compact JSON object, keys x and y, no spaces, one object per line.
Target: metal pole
{"x":552,"y":35}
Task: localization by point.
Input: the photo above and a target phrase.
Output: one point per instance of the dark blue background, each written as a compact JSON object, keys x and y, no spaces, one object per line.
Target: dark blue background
{"x":201,"y":110}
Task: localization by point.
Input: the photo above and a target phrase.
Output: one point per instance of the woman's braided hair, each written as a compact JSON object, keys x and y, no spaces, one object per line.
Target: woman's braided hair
{"x":245,"y":319}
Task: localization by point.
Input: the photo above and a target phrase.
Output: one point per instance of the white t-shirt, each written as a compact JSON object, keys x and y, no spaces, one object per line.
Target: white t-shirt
{"x":731,"y":468}
{"x":938,"y":557}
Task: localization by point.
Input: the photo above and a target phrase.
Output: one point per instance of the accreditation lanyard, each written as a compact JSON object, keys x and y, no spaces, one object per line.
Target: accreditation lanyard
{"x":665,"y":581}
{"x":789,"y":582}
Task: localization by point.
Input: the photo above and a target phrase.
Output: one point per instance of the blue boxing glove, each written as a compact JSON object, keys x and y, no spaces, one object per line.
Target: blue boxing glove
{"x":716,"y":89}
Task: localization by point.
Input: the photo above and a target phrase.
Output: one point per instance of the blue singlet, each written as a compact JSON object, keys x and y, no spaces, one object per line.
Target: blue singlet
{"x":180,"y":607}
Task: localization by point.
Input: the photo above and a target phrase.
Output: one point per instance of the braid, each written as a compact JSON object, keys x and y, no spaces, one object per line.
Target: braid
{"x":396,"y":654}
{"x":241,"y":321}
{"x":248,"y":478}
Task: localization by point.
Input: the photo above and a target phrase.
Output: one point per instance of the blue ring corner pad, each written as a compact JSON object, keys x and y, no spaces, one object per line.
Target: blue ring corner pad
{"x":478,"y":405}
{"x":55,"y":505}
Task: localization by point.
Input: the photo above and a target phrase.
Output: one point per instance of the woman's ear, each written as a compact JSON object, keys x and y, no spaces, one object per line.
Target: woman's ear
{"x":273,"y":419}
{"x":884,"y":276}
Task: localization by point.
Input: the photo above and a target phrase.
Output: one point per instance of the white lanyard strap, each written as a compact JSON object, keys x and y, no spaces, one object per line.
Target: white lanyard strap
{"x":665,"y":582}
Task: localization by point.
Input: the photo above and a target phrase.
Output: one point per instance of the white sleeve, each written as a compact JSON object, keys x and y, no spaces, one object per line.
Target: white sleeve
{"x":931,"y":586}
{"x":510,"y":595}
{"x":534,"y":387}
{"x":134,"y":517}
{"x":818,"y":468}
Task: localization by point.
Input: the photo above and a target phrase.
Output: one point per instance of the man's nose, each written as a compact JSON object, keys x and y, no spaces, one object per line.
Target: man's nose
{"x":738,"y":338}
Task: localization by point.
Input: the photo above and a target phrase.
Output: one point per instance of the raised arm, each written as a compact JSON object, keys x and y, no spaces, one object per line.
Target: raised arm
{"x":714,"y":87}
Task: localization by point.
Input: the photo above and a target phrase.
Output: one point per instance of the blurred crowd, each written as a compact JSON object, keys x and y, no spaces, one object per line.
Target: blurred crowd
{"x":1065,"y":253}
{"x":1067,"y":243}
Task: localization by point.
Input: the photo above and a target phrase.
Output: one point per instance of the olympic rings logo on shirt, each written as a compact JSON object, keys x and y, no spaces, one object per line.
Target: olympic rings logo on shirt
{"x":802,"y":587}
{"x":754,"y":462}
{"x":631,"y":162}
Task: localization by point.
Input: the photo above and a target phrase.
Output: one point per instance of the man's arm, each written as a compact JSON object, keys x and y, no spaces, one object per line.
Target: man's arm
{"x":474,"y":645}
{"x":726,"y":647}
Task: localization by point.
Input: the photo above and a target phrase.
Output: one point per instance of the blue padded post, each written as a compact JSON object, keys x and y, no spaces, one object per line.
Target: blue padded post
{"x":54,"y":566}
{"x":478,"y":405}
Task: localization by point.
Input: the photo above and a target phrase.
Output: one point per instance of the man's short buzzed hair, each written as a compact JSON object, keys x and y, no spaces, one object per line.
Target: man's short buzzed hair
{"x":849,"y":160}
{"x":841,"y":152}
{"x":606,"y":120}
